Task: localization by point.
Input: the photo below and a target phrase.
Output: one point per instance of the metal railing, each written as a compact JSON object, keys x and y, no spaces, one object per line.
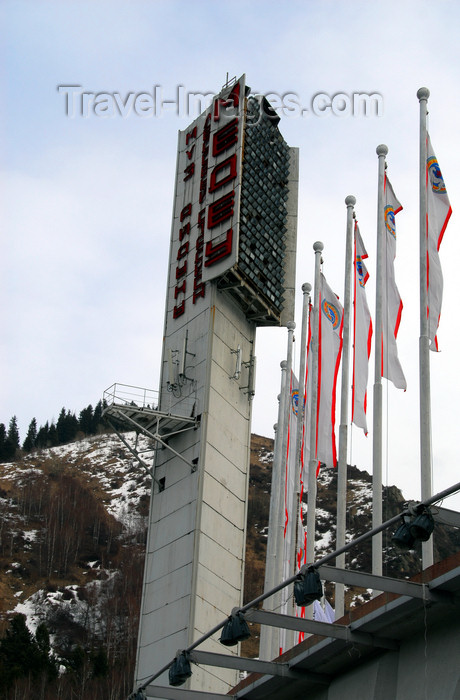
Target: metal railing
{"x":127,"y":395}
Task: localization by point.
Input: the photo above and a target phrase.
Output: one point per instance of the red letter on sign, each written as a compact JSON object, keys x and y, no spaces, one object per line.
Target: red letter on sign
{"x":221,"y":209}
{"x":225,"y":137}
{"x":179,"y":289}
{"x":191,"y":135}
{"x":232,"y":99}
{"x":189,"y":170}
{"x":183,"y":251}
{"x":186,"y":211}
{"x":227,"y":163}
{"x":198,"y":290}
{"x":179,"y":310}
{"x":184,"y":231}
{"x":219,"y":251}
{"x":181,"y":271}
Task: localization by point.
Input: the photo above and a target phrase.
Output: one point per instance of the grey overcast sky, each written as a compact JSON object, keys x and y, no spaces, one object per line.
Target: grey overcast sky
{"x":87,"y":197}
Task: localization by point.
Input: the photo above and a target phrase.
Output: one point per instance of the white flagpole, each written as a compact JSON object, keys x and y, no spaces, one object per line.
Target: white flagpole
{"x":350,"y":201}
{"x":311,"y":510}
{"x":382,"y":151}
{"x":295,"y":508}
{"x":424,"y":342}
{"x":285,"y":407}
{"x":275,"y":542}
{"x":267,"y":633}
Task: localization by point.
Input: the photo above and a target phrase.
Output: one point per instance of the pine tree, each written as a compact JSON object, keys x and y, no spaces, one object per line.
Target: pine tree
{"x":12,"y":439}
{"x":85,"y":420}
{"x":67,"y":427}
{"x":97,"y":418}
{"x":2,"y":441}
{"x":42,"y":435}
{"x":31,"y":439}
{"x":45,"y":658}
{"x":52,"y":436}
{"x":22,"y":654}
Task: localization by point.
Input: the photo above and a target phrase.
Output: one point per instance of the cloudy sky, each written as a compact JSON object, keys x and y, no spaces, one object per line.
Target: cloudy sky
{"x":87,"y":194}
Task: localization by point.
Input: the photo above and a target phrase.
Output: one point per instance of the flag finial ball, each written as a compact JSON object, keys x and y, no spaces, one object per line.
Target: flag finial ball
{"x":423,"y":93}
{"x":350,"y":201}
{"x":306,"y":288}
{"x":290,"y":325}
{"x":381,"y":150}
{"x":318,"y":246}
{"x":283,"y":365}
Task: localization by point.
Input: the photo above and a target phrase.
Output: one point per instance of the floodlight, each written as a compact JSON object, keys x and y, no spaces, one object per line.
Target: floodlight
{"x":180,"y":669}
{"x":235,"y":630}
{"x":308,"y":587}
{"x":416,"y":525}
{"x":403,"y":537}
{"x":422,"y":526}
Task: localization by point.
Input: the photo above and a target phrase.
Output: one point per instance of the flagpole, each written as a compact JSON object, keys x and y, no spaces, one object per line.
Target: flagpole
{"x":350,"y":201}
{"x":269,"y":647}
{"x":285,"y":408}
{"x":381,"y":151}
{"x":424,"y":342}
{"x":311,"y":510}
{"x":266,"y":633}
{"x":295,"y":509}
{"x":306,"y":289}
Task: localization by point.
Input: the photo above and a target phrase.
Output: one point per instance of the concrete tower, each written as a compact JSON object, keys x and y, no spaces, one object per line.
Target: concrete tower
{"x":231,"y":269}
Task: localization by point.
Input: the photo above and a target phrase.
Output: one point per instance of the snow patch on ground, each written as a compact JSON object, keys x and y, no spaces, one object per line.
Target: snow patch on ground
{"x":265,"y":457}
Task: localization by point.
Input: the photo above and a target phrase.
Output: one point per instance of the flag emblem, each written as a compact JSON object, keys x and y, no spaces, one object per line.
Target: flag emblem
{"x":360,"y":271}
{"x":390,"y":220}
{"x":332,"y":314}
{"x":295,"y":401}
{"x":436,"y":178}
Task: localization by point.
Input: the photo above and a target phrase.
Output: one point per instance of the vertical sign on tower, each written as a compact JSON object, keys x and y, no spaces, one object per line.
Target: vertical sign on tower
{"x":231,"y":269}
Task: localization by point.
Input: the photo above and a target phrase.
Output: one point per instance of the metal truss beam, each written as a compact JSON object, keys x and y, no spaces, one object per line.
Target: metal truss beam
{"x":133,"y":451}
{"x":174,"y":693}
{"x":269,"y":668}
{"x":122,"y":416}
{"x":362,"y":579}
{"x":444,"y":516}
{"x":324,"y":629}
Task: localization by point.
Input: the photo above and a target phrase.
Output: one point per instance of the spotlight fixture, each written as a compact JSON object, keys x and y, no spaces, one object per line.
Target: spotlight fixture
{"x":308,"y":587}
{"x":235,"y":630}
{"x":180,"y":669}
{"x":417,"y":526}
{"x":423,"y":524}
{"x":403,"y":537}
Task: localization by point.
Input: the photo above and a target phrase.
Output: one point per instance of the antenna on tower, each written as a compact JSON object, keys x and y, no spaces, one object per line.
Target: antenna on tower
{"x":183,"y":361}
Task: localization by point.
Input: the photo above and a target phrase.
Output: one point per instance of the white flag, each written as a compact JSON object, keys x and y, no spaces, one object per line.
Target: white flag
{"x":391,"y":301}
{"x":329,"y":355}
{"x":362,"y":336}
{"x":438,"y":215}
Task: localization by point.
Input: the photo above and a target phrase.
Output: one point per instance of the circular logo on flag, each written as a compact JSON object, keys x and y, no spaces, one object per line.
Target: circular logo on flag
{"x":295,"y":401}
{"x":436,"y":179}
{"x":360,"y":271}
{"x":390,"y":220}
{"x":331,"y":313}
